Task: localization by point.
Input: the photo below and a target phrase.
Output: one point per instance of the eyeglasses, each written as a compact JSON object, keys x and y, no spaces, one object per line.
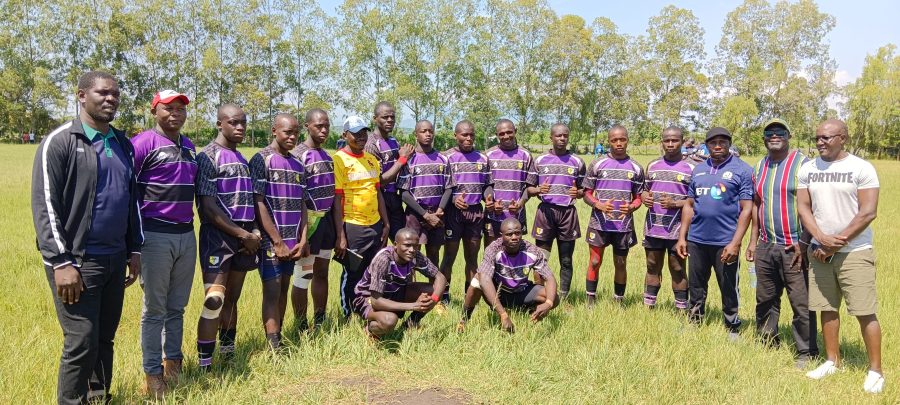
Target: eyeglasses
{"x":826,"y":139}
{"x":781,"y":132}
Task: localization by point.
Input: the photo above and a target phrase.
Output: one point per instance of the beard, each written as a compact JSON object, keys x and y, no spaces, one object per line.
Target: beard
{"x":102,"y":116}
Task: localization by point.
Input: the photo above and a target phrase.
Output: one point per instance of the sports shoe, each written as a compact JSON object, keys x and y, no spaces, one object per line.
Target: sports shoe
{"x":802,"y":361}
{"x":874,"y":382}
{"x":618,"y":299}
{"x":826,"y":369}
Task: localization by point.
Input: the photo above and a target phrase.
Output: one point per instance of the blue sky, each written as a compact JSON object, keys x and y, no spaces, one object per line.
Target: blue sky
{"x":862,"y":25}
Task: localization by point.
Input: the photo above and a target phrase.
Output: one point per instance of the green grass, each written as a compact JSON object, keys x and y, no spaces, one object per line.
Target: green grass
{"x":605,"y":355}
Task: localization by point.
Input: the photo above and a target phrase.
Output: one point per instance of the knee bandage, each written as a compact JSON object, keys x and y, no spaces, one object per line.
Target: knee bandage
{"x":213,"y":302}
{"x":303,"y":271}
{"x":475,"y":283}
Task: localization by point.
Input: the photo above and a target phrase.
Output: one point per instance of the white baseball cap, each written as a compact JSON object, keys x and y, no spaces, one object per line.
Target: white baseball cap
{"x":355,"y":123}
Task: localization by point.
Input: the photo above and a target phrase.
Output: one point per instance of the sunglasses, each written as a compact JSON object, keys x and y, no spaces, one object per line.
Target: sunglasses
{"x":781,"y":132}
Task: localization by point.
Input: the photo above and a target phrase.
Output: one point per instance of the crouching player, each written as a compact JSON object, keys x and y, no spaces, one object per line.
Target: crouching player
{"x":503,"y":278}
{"x":228,"y":235}
{"x":386,"y":290}
{"x":279,"y":182}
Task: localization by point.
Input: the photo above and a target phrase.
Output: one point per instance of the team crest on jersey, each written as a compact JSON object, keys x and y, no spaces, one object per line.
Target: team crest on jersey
{"x":297,"y":177}
{"x":570,"y":170}
{"x":449,"y":232}
{"x":630,"y":175}
{"x":727,"y":175}
{"x":679,"y":177}
{"x":520,"y":165}
{"x":478,"y":166}
{"x":214,"y":260}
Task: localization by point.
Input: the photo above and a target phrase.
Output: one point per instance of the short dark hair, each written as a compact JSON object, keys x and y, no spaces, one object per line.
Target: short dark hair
{"x":504,"y":121}
{"x":312,"y":113}
{"x":383,"y":104}
{"x":675,"y":128}
{"x":463,"y":123}
{"x":86,"y":81}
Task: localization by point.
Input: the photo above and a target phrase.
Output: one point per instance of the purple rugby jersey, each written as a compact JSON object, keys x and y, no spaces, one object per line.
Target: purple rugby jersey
{"x":511,"y":272}
{"x":470,"y":172}
{"x":666,"y":178}
{"x":511,"y":172}
{"x":223,"y":173}
{"x":426,"y":176}
{"x":561,"y":172}
{"x":166,"y":173}
{"x":281,"y":181}
{"x":390,"y":279}
{"x":617,"y":180}
{"x":387,"y":152}
{"x":319,"y":170}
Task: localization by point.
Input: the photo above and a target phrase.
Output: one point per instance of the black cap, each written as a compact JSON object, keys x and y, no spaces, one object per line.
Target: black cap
{"x":717,"y":131}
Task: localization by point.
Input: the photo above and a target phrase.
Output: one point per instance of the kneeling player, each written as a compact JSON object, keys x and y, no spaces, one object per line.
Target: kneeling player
{"x":503,"y":278}
{"x":386,"y":290}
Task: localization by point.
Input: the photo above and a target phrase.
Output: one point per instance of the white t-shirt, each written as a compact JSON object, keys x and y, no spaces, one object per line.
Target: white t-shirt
{"x":833,"y":189}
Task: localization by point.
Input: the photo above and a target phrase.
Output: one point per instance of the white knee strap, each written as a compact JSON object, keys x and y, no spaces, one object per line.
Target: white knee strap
{"x":303,"y":277}
{"x":475,"y":283}
{"x":214,"y":291}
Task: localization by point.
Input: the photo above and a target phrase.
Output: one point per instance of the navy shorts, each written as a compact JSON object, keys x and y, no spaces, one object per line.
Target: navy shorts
{"x":621,"y":242}
{"x":270,"y":267}
{"x":322,"y":240}
{"x":220,"y":252}
{"x":556,"y":222}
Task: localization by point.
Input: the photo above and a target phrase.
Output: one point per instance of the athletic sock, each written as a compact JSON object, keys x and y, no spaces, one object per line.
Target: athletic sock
{"x":619,"y":290}
{"x":227,"y":342}
{"x":681,"y":299}
{"x":650,"y":294}
{"x":445,"y":297}
{"x":274,"y":340}
{"x":205,"y":349}
{"x":467,"y":313}
{"x":318,"y":319}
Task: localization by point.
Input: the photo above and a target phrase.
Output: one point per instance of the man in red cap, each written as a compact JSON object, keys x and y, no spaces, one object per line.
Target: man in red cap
{"x":166,"y":167}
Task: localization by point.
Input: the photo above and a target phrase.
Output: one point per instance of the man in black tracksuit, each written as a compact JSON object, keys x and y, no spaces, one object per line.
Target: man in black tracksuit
{"x":86,"y":218}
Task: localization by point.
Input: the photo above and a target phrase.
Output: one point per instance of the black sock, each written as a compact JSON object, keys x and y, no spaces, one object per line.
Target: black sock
{"x":274,"y":340}
{"x":205,"y":349}
{"x":566,"y":250}
{"x":227,"y":341}
{"x":445,"y":297}
{"x":652,"y":290}
{"x":681,"y":299}
{"x":619,"y":289}
{"x":467,"y":313}
{"x":591,"y":287}
{"x":318,"y":318}
{"x":416,"y":316}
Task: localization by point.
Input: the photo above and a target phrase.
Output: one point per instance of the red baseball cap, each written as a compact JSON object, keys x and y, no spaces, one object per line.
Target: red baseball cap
{"x":166,"y":97}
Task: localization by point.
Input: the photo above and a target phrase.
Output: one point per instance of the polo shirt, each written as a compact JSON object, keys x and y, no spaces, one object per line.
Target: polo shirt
{"x":357,"y":178}
{"x":109,"y":217}
{"x":717,"y":191}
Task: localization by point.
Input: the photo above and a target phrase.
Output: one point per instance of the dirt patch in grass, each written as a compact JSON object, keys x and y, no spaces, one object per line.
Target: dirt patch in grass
{"x":431,"y":396}
{"x":373,"y":390}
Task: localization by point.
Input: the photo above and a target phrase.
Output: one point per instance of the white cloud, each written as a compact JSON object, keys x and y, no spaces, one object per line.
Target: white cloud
{"x":842,"y":78}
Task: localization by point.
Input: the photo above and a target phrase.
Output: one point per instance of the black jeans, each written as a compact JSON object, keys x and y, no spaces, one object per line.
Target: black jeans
{"x":366,"y":241}
{"x":89,"y":327}
{"x":774,"y":275}
{"x":703,"y":260}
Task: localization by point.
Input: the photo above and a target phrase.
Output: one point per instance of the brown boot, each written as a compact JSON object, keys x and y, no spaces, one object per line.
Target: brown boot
{"x":155,"y":386}
{"x":171,"y":370}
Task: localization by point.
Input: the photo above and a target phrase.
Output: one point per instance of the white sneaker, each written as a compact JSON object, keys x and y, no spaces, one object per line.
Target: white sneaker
{"x":874,"y":382}
{"x":826,"y":369}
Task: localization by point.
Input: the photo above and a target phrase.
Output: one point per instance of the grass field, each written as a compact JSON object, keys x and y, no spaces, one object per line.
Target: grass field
{"x":604,"y":355}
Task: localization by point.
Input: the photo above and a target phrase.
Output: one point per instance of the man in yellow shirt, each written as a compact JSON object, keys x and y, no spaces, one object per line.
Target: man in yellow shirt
{"x":359,"y":206}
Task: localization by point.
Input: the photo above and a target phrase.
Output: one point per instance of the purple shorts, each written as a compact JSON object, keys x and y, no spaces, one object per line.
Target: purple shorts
{"x":464,"y":224}
{"x":556,"y":222}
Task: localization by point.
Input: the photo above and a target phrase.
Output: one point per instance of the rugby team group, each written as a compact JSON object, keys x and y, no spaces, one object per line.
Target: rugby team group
{"x":110,"y":210}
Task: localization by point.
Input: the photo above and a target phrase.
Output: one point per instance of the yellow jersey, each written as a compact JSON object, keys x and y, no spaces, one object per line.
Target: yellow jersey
{"x":357,"y":178}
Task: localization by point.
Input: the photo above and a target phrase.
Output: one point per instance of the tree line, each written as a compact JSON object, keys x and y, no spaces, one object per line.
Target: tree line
{"x":443,"y":61}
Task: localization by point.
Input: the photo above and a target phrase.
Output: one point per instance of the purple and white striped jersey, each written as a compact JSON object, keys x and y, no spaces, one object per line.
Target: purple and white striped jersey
{"x":561,"y":173}
{"x":511,"y":172}
{"x":387,"y":152}
{"x":470,"y":172}
{"x":281,"y":181}
{"x":319,"y":169}
{"x":166,"y":173}
{"x":223,"y":173}
{"x":426,"y":176}
{"x":390,"y":279}
{"x":616,"y":180}
{"x":511,"y":272}
{"x":666,"y":178}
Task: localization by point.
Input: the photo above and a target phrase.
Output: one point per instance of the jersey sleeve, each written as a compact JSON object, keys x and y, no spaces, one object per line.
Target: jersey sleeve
{"x":590,"y":177}
{"x":425,"y":266}
{"x":379,"y":266}
{"x":580,"y":174}
{"x":403,"y":178}
{"x":637,"y":184}
{"x":531,"y":174}
{"x":258,"y":174}
{"x":487,"y":262}
{"x":340,"y":174}
{"x":746,"y":190}
{"x":540,"y":265}
{"x":206,"y":176}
